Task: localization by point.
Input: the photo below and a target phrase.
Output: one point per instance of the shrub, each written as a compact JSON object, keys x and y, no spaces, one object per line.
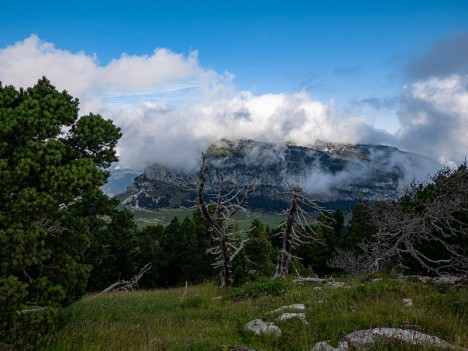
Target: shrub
{"x":262,"y":286}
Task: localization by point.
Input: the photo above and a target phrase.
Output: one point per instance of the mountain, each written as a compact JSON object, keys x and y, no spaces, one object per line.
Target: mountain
{"x":120,"y":178}
{"x":335,"y":175}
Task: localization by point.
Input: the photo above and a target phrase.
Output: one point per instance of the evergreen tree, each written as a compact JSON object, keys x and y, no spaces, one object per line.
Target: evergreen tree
{"x":49,"y":160}
{"x":204,"y":260}
{"x":338,"y":223}
{"x":258,"y":250}
{"x":148,"y":250}
{"x":316,"y":252}
{"x":112,"y":239}
{"x":360,"y":227}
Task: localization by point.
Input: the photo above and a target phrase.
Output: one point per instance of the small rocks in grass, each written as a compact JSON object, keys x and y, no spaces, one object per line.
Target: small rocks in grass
{"x":408,"y":302}
{"x":286,"y":316}
{"x":324,"y":346}
{"x":366,"y":338}
{"x":296,"y":306}
{"x":259,"y":327}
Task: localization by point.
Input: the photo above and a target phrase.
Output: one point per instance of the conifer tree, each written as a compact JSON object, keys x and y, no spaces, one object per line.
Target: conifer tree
{"x":49,"y":160}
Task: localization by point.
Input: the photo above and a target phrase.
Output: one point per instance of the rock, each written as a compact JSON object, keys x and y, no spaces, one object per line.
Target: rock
{"x":310,"y":280}
{"x":296,"y":306}
{"x":408,"y":302}
{"x":368,"y":337}
{"x":327,"y":281}
{"x":239,"y":348}
{"x":446,"y":280}
{"x":336,"y":284}
{"x":324,"y":346}
{"x":441,"y":280}
{"x":258,"y":327}
{"x":286,"y":316}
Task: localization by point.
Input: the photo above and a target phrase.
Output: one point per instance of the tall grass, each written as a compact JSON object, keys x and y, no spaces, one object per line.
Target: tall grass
{"x":159,"y":320}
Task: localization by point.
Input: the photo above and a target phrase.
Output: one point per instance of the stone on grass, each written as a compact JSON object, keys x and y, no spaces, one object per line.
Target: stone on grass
{"x":295,"y":306}
{"x":286,"y":316}
{"x":259,"y":327}
{"x":408,"y":302}
{"x":239,"y":348}
{"x":324,"y":346}
{"x":365,"y":338}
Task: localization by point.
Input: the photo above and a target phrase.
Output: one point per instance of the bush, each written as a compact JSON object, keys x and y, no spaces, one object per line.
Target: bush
{"x":260,"y":287}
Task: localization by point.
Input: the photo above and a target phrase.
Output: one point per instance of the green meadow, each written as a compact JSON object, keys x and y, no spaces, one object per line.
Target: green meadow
{"x":144,"y":218}
{"x":209,"y":318}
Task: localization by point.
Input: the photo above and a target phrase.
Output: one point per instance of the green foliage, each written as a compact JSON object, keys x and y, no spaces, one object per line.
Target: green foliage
{"x":112,"y":236}
{"x":360,"y":227}
{"x":259,"y":252}
{"x":260,"y":287}
{"x":177,"y":252}
{"x":49,"y":161}
{"x":317,"y":251}
{"x":148,"y":250}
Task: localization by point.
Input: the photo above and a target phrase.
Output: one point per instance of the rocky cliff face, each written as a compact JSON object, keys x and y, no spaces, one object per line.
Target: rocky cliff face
{"x":333,"y":174}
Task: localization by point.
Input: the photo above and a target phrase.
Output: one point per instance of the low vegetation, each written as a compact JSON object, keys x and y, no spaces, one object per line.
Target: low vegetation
{"x":209,"y":318}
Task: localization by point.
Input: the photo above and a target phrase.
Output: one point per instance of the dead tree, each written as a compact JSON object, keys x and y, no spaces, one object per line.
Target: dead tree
{"x":349,"y":262}
{"x":296,"y":229}
{"x":433,"y":214}
{"x":218,"y":213}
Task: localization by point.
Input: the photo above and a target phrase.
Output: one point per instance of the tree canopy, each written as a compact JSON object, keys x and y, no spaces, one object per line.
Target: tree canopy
{"x":50,"y":160}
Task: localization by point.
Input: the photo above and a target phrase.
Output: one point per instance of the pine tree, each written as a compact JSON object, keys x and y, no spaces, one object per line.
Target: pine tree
{"x":258,"y":250}
{"x":49,"y":160}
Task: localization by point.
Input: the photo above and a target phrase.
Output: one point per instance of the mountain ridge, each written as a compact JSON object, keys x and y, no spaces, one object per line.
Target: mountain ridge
{"x":330,"y":173}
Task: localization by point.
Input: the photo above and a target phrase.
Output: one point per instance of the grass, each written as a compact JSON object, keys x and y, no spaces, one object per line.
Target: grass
{"x":158,"y":320}
{"x":164,"y":216}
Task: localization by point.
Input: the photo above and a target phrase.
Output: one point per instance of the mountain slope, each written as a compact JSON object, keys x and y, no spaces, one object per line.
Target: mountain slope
{"x":334,"y":174}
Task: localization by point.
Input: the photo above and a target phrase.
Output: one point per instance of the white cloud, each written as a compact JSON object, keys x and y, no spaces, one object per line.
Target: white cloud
{"x":170,"y":108}
{"x":162,"y":72}
{"x":434,"y":118}
{"x":25,"y":62}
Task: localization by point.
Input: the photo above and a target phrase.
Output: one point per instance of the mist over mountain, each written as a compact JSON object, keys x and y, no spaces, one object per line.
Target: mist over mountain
{"x":333,"y":174}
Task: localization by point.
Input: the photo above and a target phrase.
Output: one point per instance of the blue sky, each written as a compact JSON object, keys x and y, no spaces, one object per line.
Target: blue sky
{"x":354,"y":57}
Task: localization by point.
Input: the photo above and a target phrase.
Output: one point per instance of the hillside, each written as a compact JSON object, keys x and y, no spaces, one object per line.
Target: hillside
{"x":336,"y":175}
{"x":213,"y":319}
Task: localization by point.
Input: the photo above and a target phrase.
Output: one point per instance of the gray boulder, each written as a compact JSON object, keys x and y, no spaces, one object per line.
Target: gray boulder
{"x":259,"y":327}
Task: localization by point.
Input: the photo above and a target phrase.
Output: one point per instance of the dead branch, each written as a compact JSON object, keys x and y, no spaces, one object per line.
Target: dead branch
{"x":127,"y":285}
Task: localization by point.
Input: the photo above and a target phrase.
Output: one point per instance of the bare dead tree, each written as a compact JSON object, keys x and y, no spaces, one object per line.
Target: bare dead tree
{"x":349,"y":262}
{"x":127,"y":284}
{"x":218,"y":213}
{"x":296,"y":229}
{"x":433,"y":214}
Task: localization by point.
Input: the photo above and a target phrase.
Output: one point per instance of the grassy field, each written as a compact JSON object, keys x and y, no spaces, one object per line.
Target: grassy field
{"x":159,"y":320}
{"x":164,"y":216}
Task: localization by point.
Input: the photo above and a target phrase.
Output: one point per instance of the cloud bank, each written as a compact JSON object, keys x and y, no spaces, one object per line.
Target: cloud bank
{"x":170,"y":107}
